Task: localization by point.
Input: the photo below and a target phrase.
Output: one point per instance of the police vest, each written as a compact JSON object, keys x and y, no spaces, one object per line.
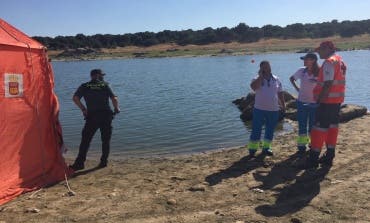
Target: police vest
{"x":337,"y":89}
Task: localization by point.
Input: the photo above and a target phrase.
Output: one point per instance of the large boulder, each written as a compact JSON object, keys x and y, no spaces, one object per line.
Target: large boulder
{"x":245,"y":105}
{"x":349,"y":112}
{"x":289,"y":97}
{"x":245,"y":102}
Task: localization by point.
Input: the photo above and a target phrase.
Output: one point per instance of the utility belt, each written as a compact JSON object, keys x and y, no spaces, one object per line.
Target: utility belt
{"x":100,"y":114}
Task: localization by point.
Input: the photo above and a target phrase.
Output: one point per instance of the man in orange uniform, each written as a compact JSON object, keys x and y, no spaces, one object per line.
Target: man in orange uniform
{"x":329,"y":94}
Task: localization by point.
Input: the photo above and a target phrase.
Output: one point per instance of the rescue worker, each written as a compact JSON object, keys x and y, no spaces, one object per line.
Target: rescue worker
{"x":98,"y":115}
{"x":329,"y":94}
{"x":269,"y":100}
{"x":306,"y":104}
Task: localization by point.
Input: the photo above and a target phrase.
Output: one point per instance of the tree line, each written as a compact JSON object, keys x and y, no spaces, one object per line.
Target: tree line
{"x":241,"y":33}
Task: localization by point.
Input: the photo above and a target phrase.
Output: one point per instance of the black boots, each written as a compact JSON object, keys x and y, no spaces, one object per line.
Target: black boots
{"x":327,"y":158}
{"x":267,"y":152}
{"x":312,"y":160}
{"x":77,"y":166}
{"x":103,"y":163}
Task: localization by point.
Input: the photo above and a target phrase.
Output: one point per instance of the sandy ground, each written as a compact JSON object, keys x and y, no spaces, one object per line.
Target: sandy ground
{"x":222,"y":186}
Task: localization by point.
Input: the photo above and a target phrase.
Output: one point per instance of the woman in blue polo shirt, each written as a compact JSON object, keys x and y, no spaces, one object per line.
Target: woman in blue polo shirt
{"x":269,"y":100}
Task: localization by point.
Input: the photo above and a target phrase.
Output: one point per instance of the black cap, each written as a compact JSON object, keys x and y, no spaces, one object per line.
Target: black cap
{"x":96,"y":71}
{"x":309,"y":56}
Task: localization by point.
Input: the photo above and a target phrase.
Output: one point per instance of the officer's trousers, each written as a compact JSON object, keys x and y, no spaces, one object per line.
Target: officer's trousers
{"x":96,"y":120}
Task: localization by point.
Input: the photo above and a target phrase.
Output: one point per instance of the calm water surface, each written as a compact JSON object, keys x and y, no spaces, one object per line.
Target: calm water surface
{"x":181,"y":105}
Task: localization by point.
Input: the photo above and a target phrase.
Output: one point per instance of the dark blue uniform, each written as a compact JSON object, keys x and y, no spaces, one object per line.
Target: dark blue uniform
{"x":99,"y":116}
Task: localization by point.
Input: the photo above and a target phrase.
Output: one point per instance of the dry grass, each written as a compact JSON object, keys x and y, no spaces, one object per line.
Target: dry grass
{"x":233,"y":48}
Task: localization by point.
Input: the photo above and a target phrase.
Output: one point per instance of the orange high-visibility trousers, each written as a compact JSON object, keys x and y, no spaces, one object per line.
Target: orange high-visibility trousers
{"x":318,"y":137}
{"x":331,"y":140}
{"x":325,"y":130}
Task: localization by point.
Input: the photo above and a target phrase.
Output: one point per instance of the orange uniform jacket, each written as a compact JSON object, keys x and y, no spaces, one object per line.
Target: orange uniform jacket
{"x":336,"y":91}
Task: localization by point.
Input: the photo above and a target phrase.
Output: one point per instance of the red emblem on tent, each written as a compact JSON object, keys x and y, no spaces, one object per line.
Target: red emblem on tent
{"x":13,"y":88}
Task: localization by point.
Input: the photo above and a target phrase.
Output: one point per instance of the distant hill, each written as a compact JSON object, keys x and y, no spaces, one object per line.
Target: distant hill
{"x":241,"y":33}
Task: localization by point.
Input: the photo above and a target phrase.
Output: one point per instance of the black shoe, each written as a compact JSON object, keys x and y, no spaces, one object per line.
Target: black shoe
{"x":327,"y":159}
{"x":312,"y":161}
{"x":77,"y":166}
{"x":302,"y":148}
{"x":267,"y":152}
{"x":301,"y":152}
{"x":310,"y":164}
{"x":252,"y":153}
{"x":103,"y":164}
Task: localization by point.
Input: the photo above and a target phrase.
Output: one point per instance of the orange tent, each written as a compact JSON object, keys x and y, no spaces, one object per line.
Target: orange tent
{"x":30,"y":133}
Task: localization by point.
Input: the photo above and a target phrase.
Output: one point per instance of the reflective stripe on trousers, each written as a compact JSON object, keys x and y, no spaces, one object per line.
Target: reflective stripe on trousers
{"x":254,"y":145}
{"x":303,"y":140}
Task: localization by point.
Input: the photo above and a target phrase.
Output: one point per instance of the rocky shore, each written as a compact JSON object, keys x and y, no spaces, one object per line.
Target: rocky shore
{"x":245,"y":105}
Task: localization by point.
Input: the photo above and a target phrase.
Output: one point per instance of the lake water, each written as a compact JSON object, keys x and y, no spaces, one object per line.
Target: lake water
{"x":182,"y":105}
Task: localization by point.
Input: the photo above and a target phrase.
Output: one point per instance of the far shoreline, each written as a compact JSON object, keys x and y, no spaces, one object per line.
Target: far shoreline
{"x":187,"y":56}
{"x":266,"y":46}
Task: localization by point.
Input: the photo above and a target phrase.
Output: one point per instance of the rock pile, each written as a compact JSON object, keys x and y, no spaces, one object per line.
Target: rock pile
{"x":245,"y":105}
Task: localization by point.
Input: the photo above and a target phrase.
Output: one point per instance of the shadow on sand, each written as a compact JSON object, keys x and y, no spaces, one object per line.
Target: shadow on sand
{"x":237,"y":169}
{"x":87,"y":171}
{"x":299,"y":186}
{"x":298,"y":191}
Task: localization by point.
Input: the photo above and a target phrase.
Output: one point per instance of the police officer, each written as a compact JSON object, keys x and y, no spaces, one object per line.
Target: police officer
{"x":98,"y":115}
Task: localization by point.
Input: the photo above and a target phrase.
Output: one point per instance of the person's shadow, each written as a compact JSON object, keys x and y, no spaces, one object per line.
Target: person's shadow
{"x":293,"y":197}
{"x":86,"y":171}
{"x":237,"y":169}
{"x":281,"y":172}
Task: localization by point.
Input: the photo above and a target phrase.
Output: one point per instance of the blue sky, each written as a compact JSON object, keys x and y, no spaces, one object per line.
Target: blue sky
{"x":69,"y":17}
